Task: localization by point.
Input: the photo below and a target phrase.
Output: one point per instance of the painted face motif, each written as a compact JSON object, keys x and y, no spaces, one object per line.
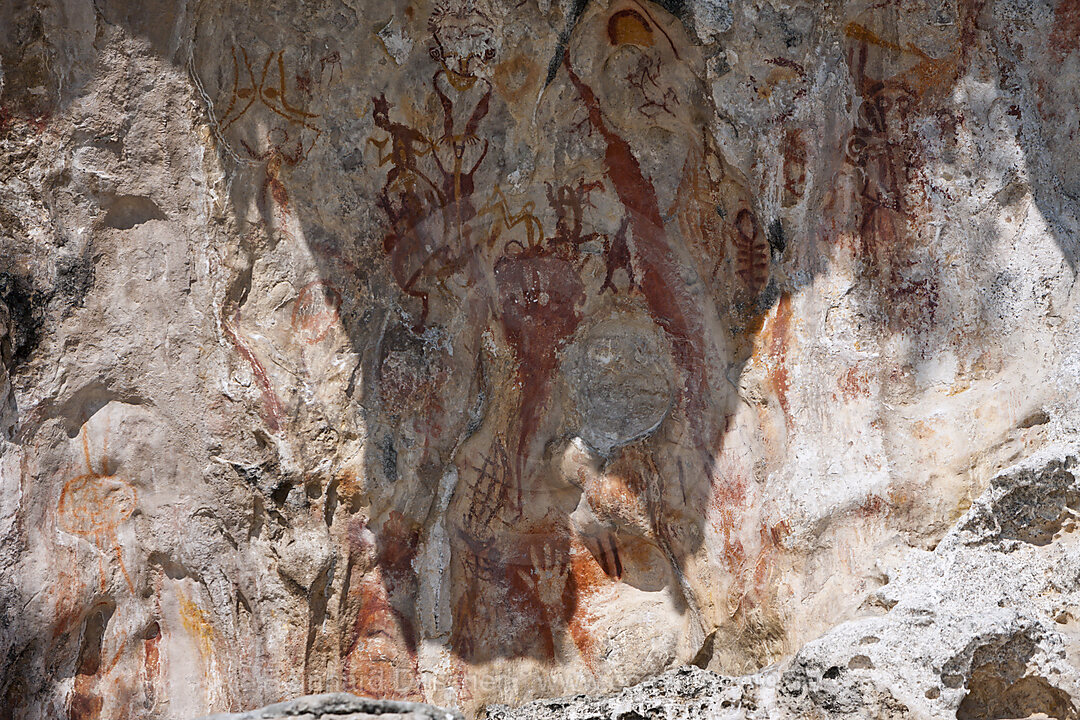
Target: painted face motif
{"x":464,"y":39}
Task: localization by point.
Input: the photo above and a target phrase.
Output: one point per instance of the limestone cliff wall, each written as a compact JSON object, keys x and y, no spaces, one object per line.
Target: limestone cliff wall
{"x":473,"y":352}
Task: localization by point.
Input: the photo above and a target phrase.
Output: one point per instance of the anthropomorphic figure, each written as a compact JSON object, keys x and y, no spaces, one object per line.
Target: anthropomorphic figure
{"x":276,"y":156}
{"x":407,"y":197}
{"x":464,"y":44}
{"x":568,"y":202}
{"x":406,"y":145}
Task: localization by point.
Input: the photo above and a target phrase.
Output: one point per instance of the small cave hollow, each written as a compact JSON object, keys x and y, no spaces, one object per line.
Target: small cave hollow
{"x":992,"y":697}
{"x":124,"y":212}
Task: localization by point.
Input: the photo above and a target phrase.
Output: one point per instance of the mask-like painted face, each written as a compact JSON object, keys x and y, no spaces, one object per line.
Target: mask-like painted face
{"x":464,"y":39}
{"x":277,"y":137}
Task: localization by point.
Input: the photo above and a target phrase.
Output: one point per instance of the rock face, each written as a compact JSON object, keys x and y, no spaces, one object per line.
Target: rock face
{"x":342,"y":706}
{"x":983,"y":626}
{"x":476,"y":352}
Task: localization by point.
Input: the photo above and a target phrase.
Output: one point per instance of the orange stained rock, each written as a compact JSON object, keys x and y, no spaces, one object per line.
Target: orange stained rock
{"x":84,"y":704}
{"x":855,"y":31}
{"x":379,"y":660}
{"x":775,"y":340}
{"x":94,"y":504}
{"x":629,"y":27}
{"x":315,"y":311}
{"x":197,"y":623}
{"x":855,"y":383}
{"x":771,"y":537}
{"x":151,"y":666}
{"x":397,"y":541}
{"x":726,"y":509}
{"x":350,"y":487}
{"x":68,"y":590}
{"x":87,"y":697}
{"x":618,"y":493}
{"x":929,"y":74}
{"x":872,"y":506}
{"x":588,"y":579}
{"x":609,"y":495}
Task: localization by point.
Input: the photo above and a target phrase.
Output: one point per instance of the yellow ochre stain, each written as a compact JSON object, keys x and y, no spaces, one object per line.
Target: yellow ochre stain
{"x":197,"y":623}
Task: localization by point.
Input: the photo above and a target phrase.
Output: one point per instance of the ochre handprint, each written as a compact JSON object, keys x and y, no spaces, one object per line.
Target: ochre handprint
{"x":547,"y":578}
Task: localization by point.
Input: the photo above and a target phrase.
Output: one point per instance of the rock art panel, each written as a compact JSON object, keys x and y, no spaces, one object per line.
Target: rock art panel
{"x":471,"y":353}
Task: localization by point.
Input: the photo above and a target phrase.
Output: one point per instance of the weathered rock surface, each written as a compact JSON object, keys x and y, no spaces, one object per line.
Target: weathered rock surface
{"x":475,"y":352}
{"x":983,"y":626}
{"x":342,"y":706}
